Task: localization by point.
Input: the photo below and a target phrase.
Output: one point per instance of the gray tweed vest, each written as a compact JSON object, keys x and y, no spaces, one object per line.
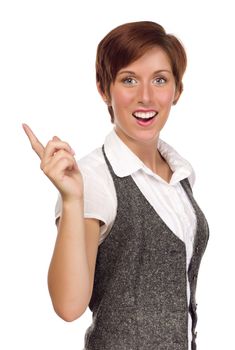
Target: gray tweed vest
{"x":139,"y":299}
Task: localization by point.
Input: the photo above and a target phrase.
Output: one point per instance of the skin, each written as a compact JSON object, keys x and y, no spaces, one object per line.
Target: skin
{"x":72,"y":267}
{"x":58,"y":163}
{"x":146,"y":84}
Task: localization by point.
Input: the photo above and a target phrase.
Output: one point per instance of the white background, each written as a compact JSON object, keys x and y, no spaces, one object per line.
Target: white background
{"x":47,"y":79}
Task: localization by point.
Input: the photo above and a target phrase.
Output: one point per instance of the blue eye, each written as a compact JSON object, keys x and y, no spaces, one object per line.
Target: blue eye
{"x":129,"y":81}
{"x":160,"y":81}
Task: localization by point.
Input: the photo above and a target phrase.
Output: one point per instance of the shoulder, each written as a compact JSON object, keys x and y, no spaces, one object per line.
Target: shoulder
{"x":100,"y":200}
{"x":94,"y":158}
{"x":93,"y":166}
{"x":97,"y":179}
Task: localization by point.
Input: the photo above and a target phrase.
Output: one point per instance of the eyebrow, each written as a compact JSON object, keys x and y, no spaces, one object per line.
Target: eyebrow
{"x":133,"y":73}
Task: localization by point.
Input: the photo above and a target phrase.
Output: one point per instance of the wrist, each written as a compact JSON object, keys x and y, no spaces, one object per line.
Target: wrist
{"x":68,"y":203}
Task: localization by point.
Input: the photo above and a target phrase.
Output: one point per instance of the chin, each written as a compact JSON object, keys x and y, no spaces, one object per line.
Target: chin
{"x":147,"y":136}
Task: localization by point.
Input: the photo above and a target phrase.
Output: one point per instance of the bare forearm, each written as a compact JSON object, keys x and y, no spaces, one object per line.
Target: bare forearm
{"x":68,"y":276}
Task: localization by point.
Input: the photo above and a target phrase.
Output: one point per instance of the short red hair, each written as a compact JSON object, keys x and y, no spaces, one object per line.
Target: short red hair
{"x":127,"y":43}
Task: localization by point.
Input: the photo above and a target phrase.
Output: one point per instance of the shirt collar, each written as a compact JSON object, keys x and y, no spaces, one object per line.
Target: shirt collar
{"x":124,"y":162}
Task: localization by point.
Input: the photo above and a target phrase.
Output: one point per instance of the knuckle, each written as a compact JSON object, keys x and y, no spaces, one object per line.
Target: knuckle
{"x":50,"y":143}
{"x":65,"y":145}
{"x":64,"y":160}
{"x":62,"y":153}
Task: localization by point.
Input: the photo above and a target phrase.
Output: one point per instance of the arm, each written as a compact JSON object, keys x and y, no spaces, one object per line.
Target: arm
{"x":71,"y":271}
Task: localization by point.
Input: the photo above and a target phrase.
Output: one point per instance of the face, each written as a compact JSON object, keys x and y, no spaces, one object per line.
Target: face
{"x":141,"y":97}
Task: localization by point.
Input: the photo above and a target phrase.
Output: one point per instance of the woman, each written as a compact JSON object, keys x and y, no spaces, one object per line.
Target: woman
{"x":130,"y":234}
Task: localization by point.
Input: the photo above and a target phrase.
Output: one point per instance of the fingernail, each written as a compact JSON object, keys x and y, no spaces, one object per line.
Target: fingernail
{"x":73,"y":152}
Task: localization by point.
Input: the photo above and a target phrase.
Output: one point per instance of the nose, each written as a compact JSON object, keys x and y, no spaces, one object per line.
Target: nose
{"x":145,"y":93}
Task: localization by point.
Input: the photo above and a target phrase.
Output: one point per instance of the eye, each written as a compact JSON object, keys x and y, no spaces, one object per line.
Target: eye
{"x":129,"y":81}
{"x":160,"y":81}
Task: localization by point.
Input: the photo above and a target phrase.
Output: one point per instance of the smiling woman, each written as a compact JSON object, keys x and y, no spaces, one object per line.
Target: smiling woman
{"x":145,"y":90}
{"x":130,"y":233}
{"x":126,"y":44}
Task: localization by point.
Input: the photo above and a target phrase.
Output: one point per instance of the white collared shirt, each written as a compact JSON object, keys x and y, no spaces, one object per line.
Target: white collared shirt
{"x":168,"y":199}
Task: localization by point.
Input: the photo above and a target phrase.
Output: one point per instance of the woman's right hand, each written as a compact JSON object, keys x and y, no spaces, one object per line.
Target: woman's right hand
{"x":59,"y":165}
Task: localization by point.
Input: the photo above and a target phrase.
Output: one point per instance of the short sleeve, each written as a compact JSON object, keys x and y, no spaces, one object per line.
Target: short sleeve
{"x":99,"y":193}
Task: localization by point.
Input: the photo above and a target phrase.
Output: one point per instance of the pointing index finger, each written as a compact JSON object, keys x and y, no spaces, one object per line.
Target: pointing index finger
{"x":35,"y":143}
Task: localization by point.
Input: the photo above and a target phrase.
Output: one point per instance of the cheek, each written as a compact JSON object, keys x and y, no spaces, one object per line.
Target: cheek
{"x":122,"y":99}
{"x":166,"y":98}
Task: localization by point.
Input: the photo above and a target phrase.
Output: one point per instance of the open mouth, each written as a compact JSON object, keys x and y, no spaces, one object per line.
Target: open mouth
{"x":145,"y":116}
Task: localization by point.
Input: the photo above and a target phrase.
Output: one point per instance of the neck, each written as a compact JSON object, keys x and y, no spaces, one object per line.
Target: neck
{"x":147,"y":152}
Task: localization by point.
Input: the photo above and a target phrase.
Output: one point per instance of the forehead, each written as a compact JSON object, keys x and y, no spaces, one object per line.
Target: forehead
{"x":153,"y":59}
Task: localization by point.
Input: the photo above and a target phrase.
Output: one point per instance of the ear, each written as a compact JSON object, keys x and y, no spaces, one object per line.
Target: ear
{"x":102,"y":94}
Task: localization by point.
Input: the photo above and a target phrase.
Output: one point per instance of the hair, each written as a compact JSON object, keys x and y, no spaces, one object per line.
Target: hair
{"x":127,"y":43}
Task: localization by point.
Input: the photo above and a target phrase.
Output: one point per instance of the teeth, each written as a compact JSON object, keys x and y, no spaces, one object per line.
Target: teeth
{"x":144,"y":115}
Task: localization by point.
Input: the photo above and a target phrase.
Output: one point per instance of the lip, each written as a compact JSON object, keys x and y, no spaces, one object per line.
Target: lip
{"x":145,"y":123}
{"x":142,"y":121}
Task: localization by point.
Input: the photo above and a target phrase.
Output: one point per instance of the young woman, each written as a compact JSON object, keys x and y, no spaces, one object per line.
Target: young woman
{"x":130,"y":233}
